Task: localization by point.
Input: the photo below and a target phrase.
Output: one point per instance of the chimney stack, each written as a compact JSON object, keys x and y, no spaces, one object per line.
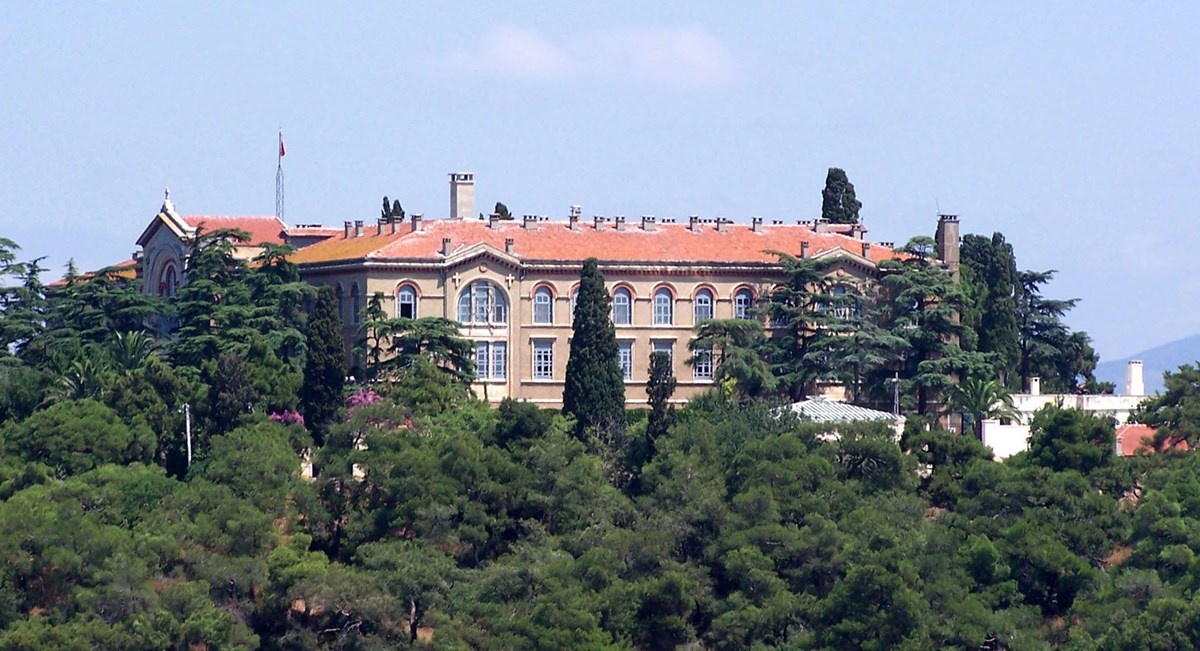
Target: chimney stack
{"x":721,"y":221}
{"x":358,"y":228}
{"x":756,"y":224}
{"x":946,"y":239}
{"x":493,"y":221}
{"x":530,"y":222}
{"x":348,"y":226}
{"x":619,"y":222}
{"x":1035,"y":386}
{"x":379,"y":226}
{"x":1134,"y":385}
{"x":693,"y":223}
{"x":821,"y":226}
{"x":598,"y":222}
{"x":573,"y":218}
{"x":804,"y":249}
{"x":648,"y":223}
{"x":417,"y":226}
{"x":866,"y":250}
{"x":445,"y":246}
{"x":509,"y":245}
{"x":462,"y":195}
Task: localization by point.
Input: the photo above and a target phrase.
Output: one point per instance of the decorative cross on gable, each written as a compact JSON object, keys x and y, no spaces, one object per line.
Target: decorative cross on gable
{"x":509,"y":280}
{"x":457,"y":279}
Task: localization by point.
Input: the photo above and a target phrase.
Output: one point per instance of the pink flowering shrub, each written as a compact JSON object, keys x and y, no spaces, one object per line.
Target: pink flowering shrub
{"x":361,"y":398}
{"x":287,"y":417}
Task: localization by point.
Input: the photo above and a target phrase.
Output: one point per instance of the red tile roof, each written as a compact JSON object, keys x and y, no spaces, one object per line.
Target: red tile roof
{"x":267,"y":229}
{"x":1132,"y":438}
{"x":668,"y":242}
{"x":123,"y":269}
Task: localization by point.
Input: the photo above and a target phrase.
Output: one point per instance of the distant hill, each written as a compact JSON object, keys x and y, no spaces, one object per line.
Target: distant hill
{"x":1167,"y":357}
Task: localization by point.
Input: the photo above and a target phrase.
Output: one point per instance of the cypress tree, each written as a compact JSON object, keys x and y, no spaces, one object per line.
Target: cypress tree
{"x":324,"y":367}
{"x":838,"y":203}
{"x":594,"y":392}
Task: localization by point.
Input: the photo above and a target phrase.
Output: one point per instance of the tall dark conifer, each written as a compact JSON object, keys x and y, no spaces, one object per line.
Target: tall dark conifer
{"x":325,"y":365}
{"x":595,"y":389}
{"x":838,"y":203}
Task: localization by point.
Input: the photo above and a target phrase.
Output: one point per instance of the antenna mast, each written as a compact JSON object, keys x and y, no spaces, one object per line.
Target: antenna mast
{"x":279,"y":180}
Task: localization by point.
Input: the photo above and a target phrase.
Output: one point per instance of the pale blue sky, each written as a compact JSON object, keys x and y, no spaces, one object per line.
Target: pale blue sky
{"x":1070,"y":127}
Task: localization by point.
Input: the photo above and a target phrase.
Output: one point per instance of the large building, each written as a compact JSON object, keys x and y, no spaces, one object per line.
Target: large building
{"x":511,"y":284}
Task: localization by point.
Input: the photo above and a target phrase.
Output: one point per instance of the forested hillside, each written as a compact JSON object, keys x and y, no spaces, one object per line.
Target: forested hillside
{"x":438,"y":521}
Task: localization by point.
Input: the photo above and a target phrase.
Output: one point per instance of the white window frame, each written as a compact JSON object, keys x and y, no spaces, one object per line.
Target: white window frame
{"x":625,"y":359}
{"x":704,"y":301}
{"x":626,"y":307}
{"x":702,"y":363}
{"x":664,"y":307}
{"x":543,"y":306}
{"x":491,"y":360}
{"x":482,"y":302}
{"x":542,"y":365}
{"x":743,"y":301}
{"x":411,"y":293}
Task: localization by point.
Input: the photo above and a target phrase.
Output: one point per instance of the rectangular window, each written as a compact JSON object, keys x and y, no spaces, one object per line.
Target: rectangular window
{"x":499,"y":360}
{"x":482,"y":365}
{"x":702,"y":364}
{"x":491,"y":360}
{"x":543,"y":360}
{"x":667,"y":347}
{"x":625,"y":355}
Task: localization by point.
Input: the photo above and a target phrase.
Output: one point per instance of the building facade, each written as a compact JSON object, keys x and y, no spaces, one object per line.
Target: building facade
{"x":511,"y":284}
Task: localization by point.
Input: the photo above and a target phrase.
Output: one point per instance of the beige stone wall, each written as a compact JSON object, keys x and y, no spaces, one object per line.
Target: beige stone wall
{"x":438,"y":291}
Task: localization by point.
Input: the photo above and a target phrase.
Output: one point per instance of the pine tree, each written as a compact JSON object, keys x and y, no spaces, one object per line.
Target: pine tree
{"x":594,"y":392}
{"x":325,"y":365}
{"x":993,"y":285}
{"x":838,"y":203}
{"x":659,"y":389}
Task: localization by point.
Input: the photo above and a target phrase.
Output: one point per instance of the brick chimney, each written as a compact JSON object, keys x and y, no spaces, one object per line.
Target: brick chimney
{"x":349,"y":226}
{"x":529,"y":222}
{"x":756,"y":224}
{"x":493,"y":221}
{"x":721,"y":221}
{"x":445,"y":246}
{"x":417,"y":224}
{"x":946,"y":239}
{"x":379,"y":226}
{"x":619,"y":222}
{"x":462,"y":195}
{"x":509,"y":245}
{"x":598,"y":222}
{"x":804,"y":249}
{"x":866,"y":250}
{"x":358,"y":224}
{"x":649,"y":224}
{"x":693,"y":223}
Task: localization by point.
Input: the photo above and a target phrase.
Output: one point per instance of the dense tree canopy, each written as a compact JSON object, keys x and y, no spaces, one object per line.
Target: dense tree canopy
{"x":432,"y":520}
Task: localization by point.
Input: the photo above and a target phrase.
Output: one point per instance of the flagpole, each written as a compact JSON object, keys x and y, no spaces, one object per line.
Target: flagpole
{"x":279,"y":178}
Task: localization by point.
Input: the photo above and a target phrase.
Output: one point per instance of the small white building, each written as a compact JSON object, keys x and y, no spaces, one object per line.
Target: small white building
{"x":1007,"y":439}
{"x":821,"y":409}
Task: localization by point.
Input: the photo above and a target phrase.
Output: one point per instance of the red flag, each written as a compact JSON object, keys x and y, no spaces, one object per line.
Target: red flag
{"x":282,"y":151}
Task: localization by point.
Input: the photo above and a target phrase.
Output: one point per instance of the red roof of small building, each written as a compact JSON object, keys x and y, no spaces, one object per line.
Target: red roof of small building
{"x":123,"y":269}
{"x":666,"y":242}
{"x":262,"y":229}
{"x":1136,"y":439}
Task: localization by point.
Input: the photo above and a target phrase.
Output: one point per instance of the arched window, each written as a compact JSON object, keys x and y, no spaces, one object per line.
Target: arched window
{"x":742,"y":301}
{"x":355,"y":304}
{"x":703,"y":306}
{"x":622,"y":307}
{"x":168,"y":282}
{"x":845,"y":301}
{"x":543,"y":306}
{"x":482,"y":303}
{"x":406,"y":302}
{"x":664,"y":307}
